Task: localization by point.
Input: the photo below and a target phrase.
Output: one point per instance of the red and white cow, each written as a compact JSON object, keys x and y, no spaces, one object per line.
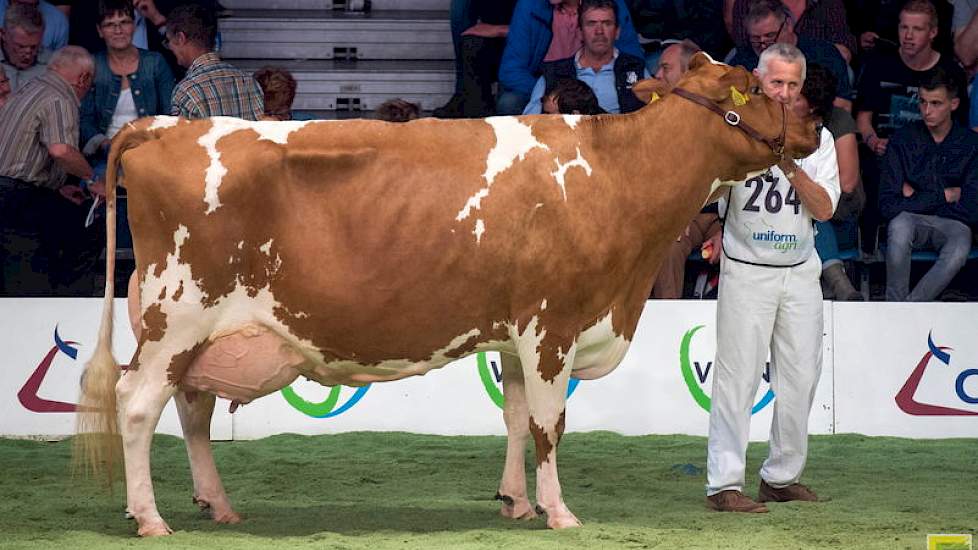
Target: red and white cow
{"x":361,"y":251}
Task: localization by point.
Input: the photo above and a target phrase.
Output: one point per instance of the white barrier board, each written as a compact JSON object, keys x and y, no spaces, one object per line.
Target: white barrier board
{"x":911,"y":370}
{"x":661,"y":387}
{"x":45,"y":343}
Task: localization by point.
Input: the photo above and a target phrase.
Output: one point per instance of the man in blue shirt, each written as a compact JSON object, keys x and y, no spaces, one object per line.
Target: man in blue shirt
{"x":598,"y":63}
{"x":929,"y":192}
{"x":55,"y":22}
{"x":531,"y":37}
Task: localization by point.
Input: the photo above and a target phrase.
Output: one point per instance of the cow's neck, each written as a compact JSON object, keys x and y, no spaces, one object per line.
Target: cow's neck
{"x":668,"y":157}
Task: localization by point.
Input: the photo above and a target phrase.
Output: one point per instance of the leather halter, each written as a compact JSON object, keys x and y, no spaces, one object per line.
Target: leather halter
{"x":733,"y":118}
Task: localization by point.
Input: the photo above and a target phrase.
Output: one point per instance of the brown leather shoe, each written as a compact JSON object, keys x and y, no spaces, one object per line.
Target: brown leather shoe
{"x":734,"y":501}
{"x":795,"y":491}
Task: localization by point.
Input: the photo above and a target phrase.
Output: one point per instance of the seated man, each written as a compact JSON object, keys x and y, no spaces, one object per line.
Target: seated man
{"x":546,"y":30}
{"x":929,"y":192}
{"x":821,"y":20}
{"x":769,"y":21}
{"x":887,"y":92}
{"x":23,"y":56}
{"x":598,"y":63}
{"x":569,"y":96}
{"x":55,"y":22}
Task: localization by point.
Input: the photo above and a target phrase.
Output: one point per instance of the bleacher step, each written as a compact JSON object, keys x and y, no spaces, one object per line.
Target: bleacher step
{"x":325,"y":34}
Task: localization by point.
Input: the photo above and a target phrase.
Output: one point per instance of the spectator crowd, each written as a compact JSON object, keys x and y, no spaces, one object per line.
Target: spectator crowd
{"x":891,"y":81}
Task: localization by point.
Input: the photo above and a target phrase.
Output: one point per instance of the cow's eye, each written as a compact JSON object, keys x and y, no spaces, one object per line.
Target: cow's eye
{"x":755,"y":90}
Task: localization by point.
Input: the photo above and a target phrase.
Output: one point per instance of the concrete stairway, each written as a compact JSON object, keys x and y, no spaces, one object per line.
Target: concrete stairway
{"x":346,"y":62}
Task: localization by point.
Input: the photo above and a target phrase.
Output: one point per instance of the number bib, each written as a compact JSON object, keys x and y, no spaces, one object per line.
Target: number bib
{"x":766,"y":223}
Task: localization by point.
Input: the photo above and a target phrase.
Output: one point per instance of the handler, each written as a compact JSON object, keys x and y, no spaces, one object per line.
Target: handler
{"x":770,"y":300}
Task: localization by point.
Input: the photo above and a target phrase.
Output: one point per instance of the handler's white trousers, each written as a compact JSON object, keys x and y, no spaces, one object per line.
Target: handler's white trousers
{"x":761,"y":309}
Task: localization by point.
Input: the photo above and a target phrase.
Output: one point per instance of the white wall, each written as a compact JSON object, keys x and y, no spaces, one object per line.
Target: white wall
{"x":870,"y":351}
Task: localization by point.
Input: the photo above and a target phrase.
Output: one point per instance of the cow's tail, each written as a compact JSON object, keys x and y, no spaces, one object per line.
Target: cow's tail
{"x":97,"y":448}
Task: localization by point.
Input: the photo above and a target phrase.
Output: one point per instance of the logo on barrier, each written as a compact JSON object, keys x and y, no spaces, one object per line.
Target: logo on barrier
{"x":28,"y":396}
{"x":949,"y":542}
{"x":695,"y":381}
{"x":965,"y":385}
{"x":491,"y":374}
{"x":328,"y":407}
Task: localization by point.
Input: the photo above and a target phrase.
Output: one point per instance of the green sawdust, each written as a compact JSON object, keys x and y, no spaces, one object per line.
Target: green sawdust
{"x":395,"y":490}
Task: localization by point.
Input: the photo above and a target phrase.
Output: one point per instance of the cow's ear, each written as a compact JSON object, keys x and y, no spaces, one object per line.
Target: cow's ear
{"x":699,"y":59}
{"x":648,"y":89}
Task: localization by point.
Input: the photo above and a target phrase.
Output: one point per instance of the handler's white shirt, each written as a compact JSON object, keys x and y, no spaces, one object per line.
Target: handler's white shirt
{"x":765,"y":221}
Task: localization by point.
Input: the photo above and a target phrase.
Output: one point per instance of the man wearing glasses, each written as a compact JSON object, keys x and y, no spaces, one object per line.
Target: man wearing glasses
{"x":768,"y":22}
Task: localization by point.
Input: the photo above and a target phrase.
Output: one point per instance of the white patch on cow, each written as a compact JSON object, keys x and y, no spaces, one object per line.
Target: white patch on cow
{"x":221,"y":126}
{"x":480,"y":228}
{"x":240,"y":245}
{"x":513,"y":141}
{"x":538,"y":205}
{"x":599,"y":350}
{"x":544,"y":402}
{"x":174,"y":273}
{"x":572,"y":120}
{"x":714,"y":61}
{"x":230,"y":260}
{"x":266,"y":248}
{"x":333,"y":372}
{"x":163,"y":121}
{"x":543,"y":305}
{"x":563,"y":168}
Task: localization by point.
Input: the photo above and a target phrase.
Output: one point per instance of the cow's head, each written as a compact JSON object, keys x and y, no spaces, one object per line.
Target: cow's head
{"x":758,"y":129}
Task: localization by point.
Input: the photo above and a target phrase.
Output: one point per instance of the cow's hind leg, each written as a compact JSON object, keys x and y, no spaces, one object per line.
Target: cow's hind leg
{"x":195,"y":419}
{"x":142,"y":392}
{"x":547,"y":362}
{"x":512,"y":487}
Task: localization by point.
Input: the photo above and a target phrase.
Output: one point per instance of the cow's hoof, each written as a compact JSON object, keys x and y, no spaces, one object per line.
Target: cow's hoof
{"x":559,"y":518}
{"x":519,"y":509}
{"x":155,"y":529}
{"x":230,"y":516}
{"x":563,"y":521}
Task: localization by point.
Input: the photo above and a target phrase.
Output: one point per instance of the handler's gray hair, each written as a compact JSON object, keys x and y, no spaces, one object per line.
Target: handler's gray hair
{"x":784,"y":52}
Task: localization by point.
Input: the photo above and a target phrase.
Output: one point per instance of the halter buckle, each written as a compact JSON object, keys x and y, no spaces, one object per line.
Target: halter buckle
{"x":731,"y":118}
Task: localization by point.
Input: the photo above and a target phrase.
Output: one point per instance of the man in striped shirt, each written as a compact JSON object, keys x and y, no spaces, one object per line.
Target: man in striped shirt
{"x":211,"y":86}
{"x":41,"y":252}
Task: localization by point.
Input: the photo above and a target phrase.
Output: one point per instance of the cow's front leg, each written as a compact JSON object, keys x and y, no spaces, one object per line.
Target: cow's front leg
{"x":142,"y":393}
{"x":512,"y":487}
{"x":195,"y":419}
{"x":546,"y":372}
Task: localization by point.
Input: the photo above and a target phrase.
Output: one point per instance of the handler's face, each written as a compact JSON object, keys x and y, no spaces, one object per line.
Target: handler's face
{"x":782,"y":82}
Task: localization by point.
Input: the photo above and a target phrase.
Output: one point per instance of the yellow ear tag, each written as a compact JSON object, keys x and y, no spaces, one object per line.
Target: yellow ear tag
{"x":739,"y":99}
{"x":655,"y":97}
